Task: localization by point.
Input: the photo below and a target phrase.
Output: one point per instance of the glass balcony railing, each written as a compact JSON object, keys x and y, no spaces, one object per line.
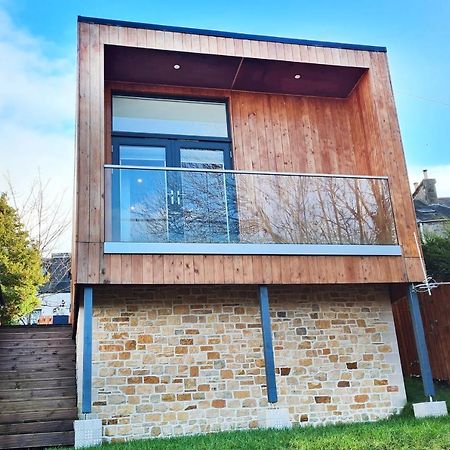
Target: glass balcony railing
{"x":172,"y":210}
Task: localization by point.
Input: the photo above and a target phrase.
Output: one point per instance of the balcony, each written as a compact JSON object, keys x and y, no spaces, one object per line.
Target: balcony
{"x":165,"y":210}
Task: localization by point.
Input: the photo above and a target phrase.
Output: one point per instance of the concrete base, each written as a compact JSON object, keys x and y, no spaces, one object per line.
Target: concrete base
{"x":87,"y":432}
{"x":274,"y":418}
{"x":430,"y":409}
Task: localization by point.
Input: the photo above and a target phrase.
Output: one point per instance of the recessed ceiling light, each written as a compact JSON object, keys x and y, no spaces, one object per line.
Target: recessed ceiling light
{"x":177,"y":67}
{"x":297,"y":76}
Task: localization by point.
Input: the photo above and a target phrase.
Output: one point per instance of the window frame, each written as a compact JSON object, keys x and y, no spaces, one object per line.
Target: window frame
{"x":224,"y":100}
{"x":174,"y":142}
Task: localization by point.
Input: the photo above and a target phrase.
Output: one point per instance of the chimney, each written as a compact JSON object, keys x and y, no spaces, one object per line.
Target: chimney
{"x":429,"y":186}
{"x":415,"y":185}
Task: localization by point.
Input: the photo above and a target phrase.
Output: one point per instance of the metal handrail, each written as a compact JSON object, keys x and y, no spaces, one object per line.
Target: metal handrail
{"x":247,"y":172}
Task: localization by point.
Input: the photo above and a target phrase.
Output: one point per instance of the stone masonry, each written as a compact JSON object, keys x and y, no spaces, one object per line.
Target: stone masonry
{"x":182,"y":360}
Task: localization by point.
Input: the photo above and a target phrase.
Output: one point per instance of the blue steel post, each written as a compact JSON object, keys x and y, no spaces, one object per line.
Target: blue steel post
{"x":419,"y":335}
{"x":267,"y":344}
{"x":86,"y":405}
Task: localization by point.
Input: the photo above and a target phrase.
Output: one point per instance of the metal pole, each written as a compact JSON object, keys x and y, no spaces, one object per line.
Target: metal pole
{"x":272,"y":396}
{"x":86,"y":406}
{"x":419,"y":335}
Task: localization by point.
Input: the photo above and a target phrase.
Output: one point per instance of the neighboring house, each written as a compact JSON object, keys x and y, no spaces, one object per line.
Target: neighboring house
{"x":432,"y":212}
{"x":242,"y":216}
{"x":55,"y":294}
{"x":57,"y":267}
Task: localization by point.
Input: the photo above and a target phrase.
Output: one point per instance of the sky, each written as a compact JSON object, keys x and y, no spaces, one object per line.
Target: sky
{"x":38,"y":63}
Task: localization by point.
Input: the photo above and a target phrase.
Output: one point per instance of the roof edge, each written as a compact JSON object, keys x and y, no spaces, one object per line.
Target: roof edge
{"x":226,"y":34}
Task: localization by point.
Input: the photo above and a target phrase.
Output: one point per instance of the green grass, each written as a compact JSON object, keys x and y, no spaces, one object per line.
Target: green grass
{"x":414,"y":392}
{"x":402,"y":432}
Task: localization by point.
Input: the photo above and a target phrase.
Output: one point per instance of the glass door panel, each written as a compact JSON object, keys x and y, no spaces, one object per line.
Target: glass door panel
{"x":141,"y":212}
{"x":173,"y":206}
{"x":204,"y":206}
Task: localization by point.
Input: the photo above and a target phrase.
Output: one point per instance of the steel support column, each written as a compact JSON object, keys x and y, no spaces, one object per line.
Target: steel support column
{"x":86,"y":405}
{"x":421,"y":345}
{"x":272,"y":396}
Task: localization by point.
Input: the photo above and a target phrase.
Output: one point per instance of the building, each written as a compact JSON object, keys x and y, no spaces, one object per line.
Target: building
{"x":55,"y":294}
{"x":242,"y":219}
{"x":432,"y":212}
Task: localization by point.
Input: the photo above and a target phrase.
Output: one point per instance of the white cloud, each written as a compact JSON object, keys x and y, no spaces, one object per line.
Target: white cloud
{"x":440,"y":173}
{"x":33,"y":87}
{"x":37,"y":113}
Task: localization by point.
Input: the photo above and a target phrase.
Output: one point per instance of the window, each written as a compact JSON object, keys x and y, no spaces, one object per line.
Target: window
{"x":166,"y":205}
{"x":169,"y":116}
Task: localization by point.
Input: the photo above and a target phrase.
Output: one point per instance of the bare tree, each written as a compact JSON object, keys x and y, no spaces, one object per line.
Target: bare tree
{"x":46,"y":218}
{"x":42,"y":212}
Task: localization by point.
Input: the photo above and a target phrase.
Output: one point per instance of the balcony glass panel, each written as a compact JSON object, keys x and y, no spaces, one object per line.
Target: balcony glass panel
{"x":169,"y":116}
{"x":210,"y":205}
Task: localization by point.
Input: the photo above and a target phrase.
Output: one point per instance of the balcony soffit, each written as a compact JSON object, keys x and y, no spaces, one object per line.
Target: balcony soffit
{"x":151,"y":66}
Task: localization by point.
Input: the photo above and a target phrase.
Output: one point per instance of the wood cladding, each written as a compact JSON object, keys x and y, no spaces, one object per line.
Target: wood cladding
{"x":358,"y":135}
{"x":435,"y":310}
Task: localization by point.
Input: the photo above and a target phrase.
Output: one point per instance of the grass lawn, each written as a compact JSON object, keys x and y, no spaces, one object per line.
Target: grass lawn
{"x":400,"y":432}
{"x":414,"y":391}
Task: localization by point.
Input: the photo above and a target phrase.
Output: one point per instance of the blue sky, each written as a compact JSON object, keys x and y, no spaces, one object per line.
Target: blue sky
{"x":38,"y":55}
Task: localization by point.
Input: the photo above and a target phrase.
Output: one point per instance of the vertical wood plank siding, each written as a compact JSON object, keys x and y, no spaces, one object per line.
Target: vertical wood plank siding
{"x":435,"y":311}
{"x":359,"y":135}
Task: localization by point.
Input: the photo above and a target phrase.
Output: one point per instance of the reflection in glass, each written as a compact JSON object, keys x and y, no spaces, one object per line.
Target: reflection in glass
{"x":204,"y":206}
{"x":139,"y":201}
{"x":214,"y":206}
{"x":314,"y":210}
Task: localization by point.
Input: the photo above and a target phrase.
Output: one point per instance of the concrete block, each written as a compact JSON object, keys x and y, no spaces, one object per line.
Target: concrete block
{"x":274,"y":418}
{"x":430,"y":409}
{"x":87,"y":432}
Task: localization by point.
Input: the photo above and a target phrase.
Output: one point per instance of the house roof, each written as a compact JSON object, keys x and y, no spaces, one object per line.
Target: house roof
{"x":429,"y":213}
{"x":226,"y":34}
{"x":57,"y":268}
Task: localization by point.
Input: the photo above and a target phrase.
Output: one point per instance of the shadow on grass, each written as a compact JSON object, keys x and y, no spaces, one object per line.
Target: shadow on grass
{"x":414,"y":393}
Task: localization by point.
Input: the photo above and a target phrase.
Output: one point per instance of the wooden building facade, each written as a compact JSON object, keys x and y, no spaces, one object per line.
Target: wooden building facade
{"x":355,"y":135}
{"x":292,"y":176}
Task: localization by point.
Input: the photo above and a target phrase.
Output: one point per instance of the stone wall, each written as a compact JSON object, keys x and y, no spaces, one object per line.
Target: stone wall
{"x":179,"y":360}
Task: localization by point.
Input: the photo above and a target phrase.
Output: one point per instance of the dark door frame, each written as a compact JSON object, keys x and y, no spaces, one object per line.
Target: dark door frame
{"x":173,"y":146}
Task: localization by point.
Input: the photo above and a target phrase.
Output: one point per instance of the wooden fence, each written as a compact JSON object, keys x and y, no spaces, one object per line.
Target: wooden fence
{"x":436,"y":320}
